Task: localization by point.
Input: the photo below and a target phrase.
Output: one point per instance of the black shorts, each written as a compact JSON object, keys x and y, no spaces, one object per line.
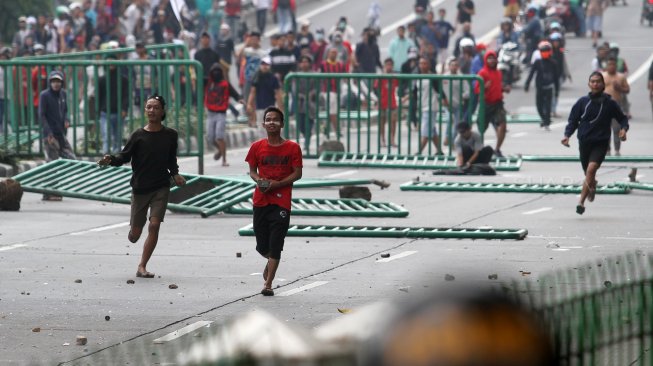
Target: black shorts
{"x":495,"y":114}
{"x":592,"y":152}
{"x":270,"y":227}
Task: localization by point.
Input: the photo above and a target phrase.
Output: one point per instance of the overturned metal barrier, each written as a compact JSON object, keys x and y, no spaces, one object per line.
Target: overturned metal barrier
{"x":397,"y":232}
{"x":507,"y":187}
{"x":362,"y":160}
{"x":332,"y":207}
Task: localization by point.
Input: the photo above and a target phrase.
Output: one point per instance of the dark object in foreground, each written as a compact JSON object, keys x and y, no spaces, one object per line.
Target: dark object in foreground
{"x":474,"y":169}
{"x":10,"y":195}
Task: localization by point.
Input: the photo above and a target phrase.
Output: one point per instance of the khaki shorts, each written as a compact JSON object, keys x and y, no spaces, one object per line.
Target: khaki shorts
{"x":511,"y":10}
{"x":156,"y":201}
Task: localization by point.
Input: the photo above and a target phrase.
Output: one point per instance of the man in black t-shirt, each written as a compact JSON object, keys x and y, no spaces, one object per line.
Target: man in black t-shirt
{"x":206,"y":56}
{"x":465,"y":11}
{"x":152,"y":151}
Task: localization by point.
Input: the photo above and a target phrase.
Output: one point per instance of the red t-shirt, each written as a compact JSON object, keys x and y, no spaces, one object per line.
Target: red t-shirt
{"x":384,"y":85}
{"x":274,"y":163}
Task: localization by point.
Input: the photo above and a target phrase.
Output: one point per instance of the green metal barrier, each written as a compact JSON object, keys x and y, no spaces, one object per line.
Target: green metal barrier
{"x":574,"y":158}
{"x":178,"y":81}
{"x":156,"y":51}
{"x":397,"y":232}
{"x":599,"y":312}
{"x":332,"y":207}
{"x":363,"y":160}
{"x":521,"y":118}
{"x":507,"y":187}
{"x":19,"y":142}
{"x":311,"y":182}
{"x":86,"y":180}
{"x":357,"y":109}
{"x":636,"y":185}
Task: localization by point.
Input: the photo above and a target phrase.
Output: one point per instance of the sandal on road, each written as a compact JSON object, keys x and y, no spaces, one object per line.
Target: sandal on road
{"x":267,"y":292}
{"x":580,"y":209}
{"x":145,"y":274}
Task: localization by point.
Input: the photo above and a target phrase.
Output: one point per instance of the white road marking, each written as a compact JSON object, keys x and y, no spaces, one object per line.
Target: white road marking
{"x":342,"y":174}
{"x":256,"y":274}
{"x":641,"y":70}
{"x":565,"y":249}
{"x":398,"y":256}
{"x":185,"y":330}
{"x":519,"y":134}
{"x":627,"y":238}
{"x":533,"y":212}
{"x":303,"y":288}
{"x":102,"y":228}
{"x":14,"y":246}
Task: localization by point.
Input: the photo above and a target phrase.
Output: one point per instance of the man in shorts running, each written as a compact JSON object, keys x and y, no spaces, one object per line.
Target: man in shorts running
{"x":592,"y":115}
{"x":274,"y":164}
{"x":152,"y":151}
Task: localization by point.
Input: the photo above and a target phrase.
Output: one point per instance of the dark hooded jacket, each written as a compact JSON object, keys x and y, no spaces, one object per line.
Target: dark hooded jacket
{"x":113,"y":92}
{"x":53,"y":109}
{"x":592,"y":115}
{"x":218,"y":90}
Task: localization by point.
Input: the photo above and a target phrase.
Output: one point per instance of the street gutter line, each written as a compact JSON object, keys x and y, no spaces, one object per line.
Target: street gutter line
{"x":183,"y":331}
{"x":398,"y":256}
{"x":303,"y":288}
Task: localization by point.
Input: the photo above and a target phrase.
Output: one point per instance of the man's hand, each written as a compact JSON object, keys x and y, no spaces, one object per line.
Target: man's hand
{"x":622,"y":134}
{"x":123,"y":114}
{"x":264,"y":185}
{"x":66,"y":124}
{"x":106,"y":160}
{"x":565,"y":141}
{"x":179,"y":180}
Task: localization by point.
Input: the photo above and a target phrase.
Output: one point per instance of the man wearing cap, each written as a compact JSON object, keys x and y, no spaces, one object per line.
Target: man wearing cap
{"x":19,"y":37}
{"x":265,"y":92}
{"x":53,"y":113}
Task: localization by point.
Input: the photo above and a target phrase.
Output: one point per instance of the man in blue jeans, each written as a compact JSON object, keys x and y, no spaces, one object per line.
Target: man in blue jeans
{"x":113,"y":94}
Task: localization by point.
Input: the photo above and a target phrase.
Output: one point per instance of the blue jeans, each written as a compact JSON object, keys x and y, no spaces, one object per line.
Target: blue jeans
{"x":261,"y":19}
{"x":111,"y":132}
{"x":579,"y":12}
{"x":285,"y":20}
{"x":234,"y":24}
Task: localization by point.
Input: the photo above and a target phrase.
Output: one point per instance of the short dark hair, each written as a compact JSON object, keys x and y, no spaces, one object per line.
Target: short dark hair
{"x":161,"y":100}
{"x":273,"y":109}
{"x":597,"y":73}
{"x":463,"y":126}
{"x":305,"y":57}
{"x":612,"y":58}
{"x":389,"y":59}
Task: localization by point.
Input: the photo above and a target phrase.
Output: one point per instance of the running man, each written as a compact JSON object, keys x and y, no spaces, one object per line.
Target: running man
{"x":592,"y":115}
{"x":274,"y":164}
{"x":153,"y":153}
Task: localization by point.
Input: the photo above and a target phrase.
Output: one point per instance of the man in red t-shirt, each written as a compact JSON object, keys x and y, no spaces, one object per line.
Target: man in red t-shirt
{"x":493,"y":96}
{"x":274,"y":163}
{"x":387,"y":89}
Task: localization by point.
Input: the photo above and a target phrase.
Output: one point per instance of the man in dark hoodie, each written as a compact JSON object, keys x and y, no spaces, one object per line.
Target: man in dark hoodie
{"x":546,"y":82}
{"x":592,"y":115}
{"x":113,"y":94}
{"x":493,"y":96}
{"x":53,"y":113}
{"x":216,"y":100}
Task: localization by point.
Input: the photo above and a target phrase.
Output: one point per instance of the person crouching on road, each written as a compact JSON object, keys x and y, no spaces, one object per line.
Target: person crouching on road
{"x":592,"y":116}
{"x":274,"y":164}
{"x":469,"y":147}
{"x":153,"y":153}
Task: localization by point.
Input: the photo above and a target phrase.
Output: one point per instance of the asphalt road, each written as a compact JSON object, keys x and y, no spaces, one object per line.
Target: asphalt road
{"x":47,"y":246}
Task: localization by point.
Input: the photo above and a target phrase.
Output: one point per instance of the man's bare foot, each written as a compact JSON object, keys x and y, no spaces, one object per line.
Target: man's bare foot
{"x":224,"y":163}
{"x":143,"y":273}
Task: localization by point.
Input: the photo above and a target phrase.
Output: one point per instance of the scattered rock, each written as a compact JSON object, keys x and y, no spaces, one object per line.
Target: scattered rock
{"x":344,"y":310}
{"x":81,"y":340}
{"x":355,"y":192}
{"x":66,"y":344}
{"x":173,"y":286}
{"x":385,"y":255}
{"x":331,"y":145}
{"x":493,"y":276}
{"x":553,"y":244}
{"x":524,"y":273}
{"x":78,"y":281}
{"x":607,"y":284}
{"x":107,"y":318}
{"x":448,"y":277}
{"x":130,"y":282}
{"x":36,"y":330}
{"x":19,"y":271}
{"x":10,"y":194}
{"x":403,"y":289}
{"x":239,"y":254}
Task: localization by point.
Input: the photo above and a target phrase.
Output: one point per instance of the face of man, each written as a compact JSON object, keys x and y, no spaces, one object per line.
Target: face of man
{"x":304,"y":65}
{"x":401,"y":32}
{"x":611,"y":67}
{"x":388,"y":66}
{"x":141,"y":51}
{"x":205,"y":41}
{"x":467,"y":133}
{"x":272,"y":121}
{"x":492,"y":62}
{"x":333,"y":54}
{"x":154,"y":110}
{"x":264,"y":67}
{"x":424,"y":65}
{"x":596,"y":84}
{"x":442,"y":13}
{"x":453,"y":67}
{"x":56,"y":84}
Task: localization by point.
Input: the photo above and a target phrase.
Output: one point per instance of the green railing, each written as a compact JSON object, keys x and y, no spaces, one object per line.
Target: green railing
{"x":359,"y":110}
{"x":157,"y":52}
{"x":178,"y":81}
